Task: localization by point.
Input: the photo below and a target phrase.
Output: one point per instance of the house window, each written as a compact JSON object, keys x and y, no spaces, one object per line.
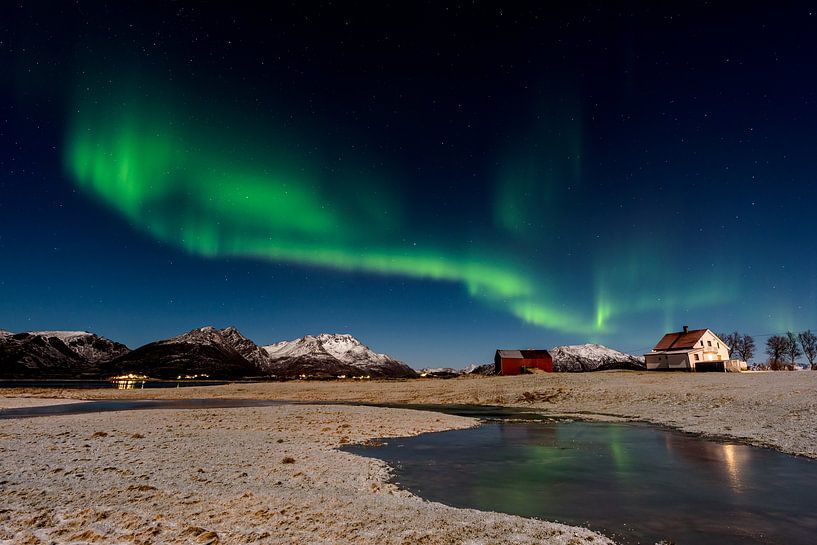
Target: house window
{"x":697,"y":357}
{"x":719,"y":344}
{"x":702,"y":343}
{"x":709,"y":343}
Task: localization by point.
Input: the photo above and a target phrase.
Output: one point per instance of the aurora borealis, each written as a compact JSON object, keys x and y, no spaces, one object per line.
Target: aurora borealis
{"x":530,"y":177}
{"x":167,"y":183}
{"x":188,"y":187}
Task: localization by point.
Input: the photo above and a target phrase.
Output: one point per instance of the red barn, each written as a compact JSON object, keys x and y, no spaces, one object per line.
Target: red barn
{"x":515,"y":362}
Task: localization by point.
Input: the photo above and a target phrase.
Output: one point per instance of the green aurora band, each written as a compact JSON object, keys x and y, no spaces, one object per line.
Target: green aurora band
{"x":218,"y":186}
{"x":186,"y":183}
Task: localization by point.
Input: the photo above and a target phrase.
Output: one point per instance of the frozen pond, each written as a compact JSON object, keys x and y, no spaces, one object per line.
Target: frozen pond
{"x":635,"y":483}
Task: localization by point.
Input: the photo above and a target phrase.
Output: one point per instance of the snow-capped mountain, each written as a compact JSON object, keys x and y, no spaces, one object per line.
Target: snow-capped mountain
{"x":216,"y":353}
{"x":90,"y":346}
{"x":447,"y":372}
{"x":331,"y":355}
{"x":244,"y":346}
{"x":205,"y":351}
{"x":592,"y":357}
{"x":440,"y":372}
{"x":55,"y":354}
{"x":478,"y":369}
{"x":226,"y":353}
{"x":570,"y":358}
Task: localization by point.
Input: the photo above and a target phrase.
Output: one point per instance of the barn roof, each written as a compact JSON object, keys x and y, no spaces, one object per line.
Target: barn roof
{"x":523,"y":354}
{"x":680,"y":339}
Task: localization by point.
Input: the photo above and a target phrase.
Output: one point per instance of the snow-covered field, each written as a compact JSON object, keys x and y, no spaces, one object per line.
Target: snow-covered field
{"x":197,"y":475}
{"x":232,"y":476}
{"x":772,"y":409}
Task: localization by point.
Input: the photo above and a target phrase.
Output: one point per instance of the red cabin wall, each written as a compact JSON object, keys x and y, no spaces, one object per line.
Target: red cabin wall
{"x":513,"y":366}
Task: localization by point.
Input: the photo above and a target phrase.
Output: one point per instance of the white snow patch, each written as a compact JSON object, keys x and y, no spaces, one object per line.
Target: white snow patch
{"x":341,"y":346}
{"x":590,"y":351}
{"x":61,"y":335}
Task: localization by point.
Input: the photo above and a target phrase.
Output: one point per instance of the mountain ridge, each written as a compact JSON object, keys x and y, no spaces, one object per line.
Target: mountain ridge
{"x":570,"y":358}
{"x":333,"y":354}
{"x":203,"y":352}
{"x":227,"y":354}
{"x":58,"y":354}
{"x":592,"y":357}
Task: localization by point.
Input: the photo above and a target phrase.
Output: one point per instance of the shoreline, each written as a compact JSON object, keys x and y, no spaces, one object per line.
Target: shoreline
{"x":9,"y":403}
{"x":769,"y":410}
{"x":239,"y":475}
{"x":602,"y":418}
{"x":24,"y":402}
{"x":774,"y":413}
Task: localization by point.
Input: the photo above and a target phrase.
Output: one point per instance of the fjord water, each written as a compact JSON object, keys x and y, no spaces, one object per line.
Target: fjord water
{"x":635,"y":483}
{"x":109,"y":405}
{"x":130,"y":384}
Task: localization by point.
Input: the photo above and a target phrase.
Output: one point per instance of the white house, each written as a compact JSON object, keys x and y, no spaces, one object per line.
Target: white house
{"x":691,"y":350}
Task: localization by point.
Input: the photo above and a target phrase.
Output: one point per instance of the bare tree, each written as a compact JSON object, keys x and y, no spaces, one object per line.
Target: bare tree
{"x":792,"y":348}
{"x":808,"y":341}
{"x":776,"y":346}
{"x":746,"y":348}
{"x":742,"y":347}
{"x":732,"y":340}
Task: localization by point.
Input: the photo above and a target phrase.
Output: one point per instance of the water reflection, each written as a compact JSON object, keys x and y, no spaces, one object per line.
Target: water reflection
{"x":721,"y":461}
{"x":129,"y":382}
{"x":636,"y":483}
{"x":732,"y":464}
{"x":126,"y":384}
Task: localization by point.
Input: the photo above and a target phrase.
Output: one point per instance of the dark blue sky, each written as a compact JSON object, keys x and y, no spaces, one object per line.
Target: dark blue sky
{"x":440,"y":181}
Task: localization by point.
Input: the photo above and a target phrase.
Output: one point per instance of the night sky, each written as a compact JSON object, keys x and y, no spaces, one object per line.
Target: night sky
{"x":437,"y":181}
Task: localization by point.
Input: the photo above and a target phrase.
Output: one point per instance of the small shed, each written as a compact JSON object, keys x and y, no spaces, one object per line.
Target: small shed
{"x":515,"y":362}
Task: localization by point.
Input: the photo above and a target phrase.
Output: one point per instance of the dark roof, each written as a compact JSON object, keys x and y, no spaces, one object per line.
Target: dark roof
{"x":523,"y":354}
{"x":680,"y":339}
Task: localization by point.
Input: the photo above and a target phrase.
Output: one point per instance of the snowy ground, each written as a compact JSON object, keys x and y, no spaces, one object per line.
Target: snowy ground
{"x":250,"y":475}
{"x":218,"y":476}
{"x":771,"y":409}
